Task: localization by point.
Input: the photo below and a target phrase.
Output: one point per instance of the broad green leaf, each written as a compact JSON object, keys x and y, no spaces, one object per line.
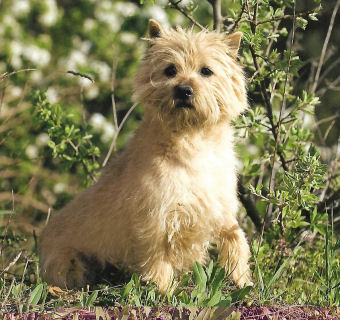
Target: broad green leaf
{"x":92,"y":298}
{"x":239,"y":295}
{"x":214,"y":300}
{"x":36,"y":294}
{"x":200,"y":276}
{"x":127,"y":290}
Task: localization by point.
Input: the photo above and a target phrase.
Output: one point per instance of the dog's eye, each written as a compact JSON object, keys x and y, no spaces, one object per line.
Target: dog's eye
{"x":205,"y":71}
{"x":170,"y":71}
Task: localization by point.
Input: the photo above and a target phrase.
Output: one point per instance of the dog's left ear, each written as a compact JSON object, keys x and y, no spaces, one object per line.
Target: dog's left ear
{"x":154,"y":29}
{"x":233,"y":42}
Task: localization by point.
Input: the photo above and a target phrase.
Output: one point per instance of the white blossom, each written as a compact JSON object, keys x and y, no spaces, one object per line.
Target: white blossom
{"x":15,"y":92}
{"x":104,"y":71}
{"x":92,"y":92}
{"x":128,"y":37}
{"x":126,"y":9}
{"x":159,"y":14}
{"x":83,"y":46}
{"x":42,"y":139}
{"x":105,"y":13}
{"x":20,"y":7}
{"x":32,"y":151}
{"x":108,"y":132}
{"x":50,"y":16}
{"x":89,"y":24}
{"x":76,"y":59}
{"x":36,"y":76}
{"x":97,"y":121}
{"x":84,"y":82}
{"x":59,"y":187}
{"x":52,"y":95}
{"x":16,"y":49}
{"x":40,"y":57}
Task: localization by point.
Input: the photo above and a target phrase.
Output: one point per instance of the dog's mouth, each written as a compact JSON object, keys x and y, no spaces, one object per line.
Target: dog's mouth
{"x":183,"y":105}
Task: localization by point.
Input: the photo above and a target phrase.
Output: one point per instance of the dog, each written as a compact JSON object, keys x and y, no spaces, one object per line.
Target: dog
{"x":158,"y":207}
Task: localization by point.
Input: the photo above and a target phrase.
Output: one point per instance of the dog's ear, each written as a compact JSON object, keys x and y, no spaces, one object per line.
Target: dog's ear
{"x":154,"y":29}
{"x":233,"y":42}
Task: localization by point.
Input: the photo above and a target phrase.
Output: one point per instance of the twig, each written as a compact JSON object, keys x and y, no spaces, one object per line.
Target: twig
{"x":6,"y":74}
{"x":72,"y":145}
{"x":113,"y":102}
{"x":331,"y":67}
{"x":334,"y":197}
{"x":331,"y":169}
{"x":272,"y":40}
{"x":2,"y":97}
{"x":23,"y":278}
{"x":24,"y":200}
{"x":266,"y":99}
{"x":249,"y":205}
{"x":324,"y":47}
{"x":217,"y":15}
{"x":113,"y":143}
{"x":8,"y":222}
{"x":8,"y":293}
{"x":328,"y":130}
{"x":288,"y":16}
{"x":327,"y":119}
{"x":236,"y":22}
{"x":48,"y":216}
{"x":270,"y":115}
{"x":330,"y":85}
{"x":114,"y":110}
{"x":174,"y":5}
{"x":14,"y":261}
{"x":283,"y":104}
{"x":80,"y":75}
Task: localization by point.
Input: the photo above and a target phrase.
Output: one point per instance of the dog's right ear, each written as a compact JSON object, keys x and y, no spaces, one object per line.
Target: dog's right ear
{"x":154,"y":29}
{"x":233,"y":41}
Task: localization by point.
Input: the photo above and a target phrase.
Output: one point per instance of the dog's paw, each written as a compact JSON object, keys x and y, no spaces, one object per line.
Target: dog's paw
{"x":242,"y":280}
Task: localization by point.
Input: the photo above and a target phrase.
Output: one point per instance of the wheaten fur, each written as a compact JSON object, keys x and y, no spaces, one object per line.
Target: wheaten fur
{"x":158,"y":206}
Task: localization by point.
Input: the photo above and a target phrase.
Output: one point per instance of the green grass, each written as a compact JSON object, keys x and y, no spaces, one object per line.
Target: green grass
{"x":306,"y":274}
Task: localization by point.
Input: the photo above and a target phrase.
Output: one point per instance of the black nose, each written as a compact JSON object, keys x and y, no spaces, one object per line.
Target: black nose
{"x":183,"y":92}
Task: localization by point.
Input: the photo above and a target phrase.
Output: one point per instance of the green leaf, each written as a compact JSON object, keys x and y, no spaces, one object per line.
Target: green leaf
{"x":302,"y":23}
{"x":312,"y":16}
{"x":217,"y":281}
{"x":82,"y":299}
{"x":183,"y":283}
{"x":136,"y":281}
{"x":127,"y":290}
{"x":184,"y":298}
{"x":36,"y":294}
{"x":225,"y":302}
{"x":239,"y":295}
{"x":200,"y":276}
{"x":209,"y":269}
{"x":214,"y":300}
{"x":92,"y":298}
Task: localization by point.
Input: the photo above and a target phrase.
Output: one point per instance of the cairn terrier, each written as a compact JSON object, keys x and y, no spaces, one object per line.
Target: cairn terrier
{"x":157,"y":207}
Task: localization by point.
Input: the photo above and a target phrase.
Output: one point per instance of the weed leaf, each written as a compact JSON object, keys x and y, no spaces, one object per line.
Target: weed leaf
{"x":36,"y":294}
{"x":200,"y":276}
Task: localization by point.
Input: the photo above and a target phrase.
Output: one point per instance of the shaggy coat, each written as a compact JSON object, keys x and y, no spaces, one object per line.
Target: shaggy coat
{"x":158,"y":206}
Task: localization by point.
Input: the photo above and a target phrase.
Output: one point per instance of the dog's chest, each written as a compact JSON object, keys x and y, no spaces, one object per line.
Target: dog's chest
{"x":195,"y":183}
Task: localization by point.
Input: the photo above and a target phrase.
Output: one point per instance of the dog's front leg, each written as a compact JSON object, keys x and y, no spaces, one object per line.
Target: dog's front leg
{"x":158,"y":271}
{"x":234,"y":254}
{"x":151,"y":258}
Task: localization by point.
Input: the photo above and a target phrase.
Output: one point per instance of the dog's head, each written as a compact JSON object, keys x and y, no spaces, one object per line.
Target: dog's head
{"x":191,"y":79}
